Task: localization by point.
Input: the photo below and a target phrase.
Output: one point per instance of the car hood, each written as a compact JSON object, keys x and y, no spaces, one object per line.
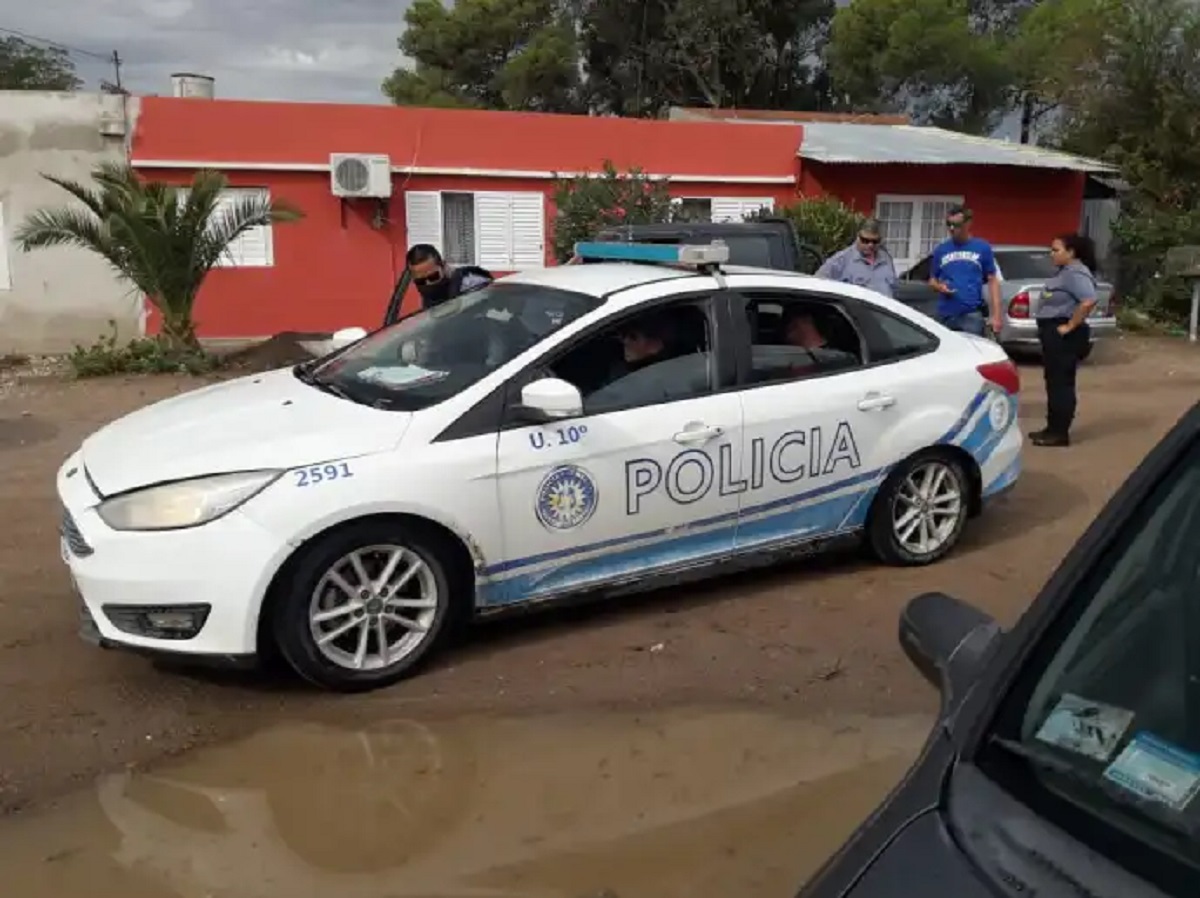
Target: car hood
{"x":262,"y":421}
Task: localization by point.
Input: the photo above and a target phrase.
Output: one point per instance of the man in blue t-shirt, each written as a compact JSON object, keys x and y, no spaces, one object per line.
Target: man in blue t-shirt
{"x":961,"y":266}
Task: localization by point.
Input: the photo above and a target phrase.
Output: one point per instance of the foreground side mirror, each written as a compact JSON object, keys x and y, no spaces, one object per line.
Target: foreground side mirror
{"x":550,"y":399}
{"x":948,"y":641}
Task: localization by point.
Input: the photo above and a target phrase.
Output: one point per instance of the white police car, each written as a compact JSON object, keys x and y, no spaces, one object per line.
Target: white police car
{"x":589,"y":427}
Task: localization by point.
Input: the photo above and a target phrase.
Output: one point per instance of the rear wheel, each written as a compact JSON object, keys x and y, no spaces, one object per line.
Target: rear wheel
{"x":1086,"y":350}
{"x":366,"y":605}
{"x":921,"y":510}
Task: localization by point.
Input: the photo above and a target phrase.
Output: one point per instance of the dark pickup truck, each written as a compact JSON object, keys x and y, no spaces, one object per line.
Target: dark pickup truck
{"x":765,"y":243}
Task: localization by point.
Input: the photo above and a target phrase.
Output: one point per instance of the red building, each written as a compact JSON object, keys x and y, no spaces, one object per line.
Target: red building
{"x":479,"y":185}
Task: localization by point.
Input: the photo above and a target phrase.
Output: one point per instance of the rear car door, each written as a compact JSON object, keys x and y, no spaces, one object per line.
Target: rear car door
{"x":820,"y":435}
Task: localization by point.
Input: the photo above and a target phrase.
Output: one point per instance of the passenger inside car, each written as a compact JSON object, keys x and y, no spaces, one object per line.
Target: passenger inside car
{"x":798,"y":339}
{"x":800,"y":329}
{"x":628,"y":364}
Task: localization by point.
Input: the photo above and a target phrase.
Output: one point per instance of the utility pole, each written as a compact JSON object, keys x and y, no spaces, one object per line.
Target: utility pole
{"x":116,"y":61}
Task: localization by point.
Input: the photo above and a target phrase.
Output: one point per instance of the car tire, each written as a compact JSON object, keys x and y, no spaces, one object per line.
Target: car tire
{"x":888,"y":526}
{"x":425,"y":590}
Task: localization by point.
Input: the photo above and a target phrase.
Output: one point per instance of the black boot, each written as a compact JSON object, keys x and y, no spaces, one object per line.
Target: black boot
{"x":1049,"y":438}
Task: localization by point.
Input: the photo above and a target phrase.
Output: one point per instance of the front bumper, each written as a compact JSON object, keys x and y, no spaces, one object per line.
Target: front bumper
{"x":1022,"y":332}
{"x":223,"y":567}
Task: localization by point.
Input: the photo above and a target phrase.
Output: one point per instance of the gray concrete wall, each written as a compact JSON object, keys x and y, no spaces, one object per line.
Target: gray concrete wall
{"x":52,"y":299}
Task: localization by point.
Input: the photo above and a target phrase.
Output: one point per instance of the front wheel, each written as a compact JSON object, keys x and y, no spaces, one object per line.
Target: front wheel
{"x":920,"y":512}
{"x":365,"y":606}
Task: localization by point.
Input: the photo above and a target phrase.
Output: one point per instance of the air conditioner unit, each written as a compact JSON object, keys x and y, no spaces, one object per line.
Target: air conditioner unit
{"x":360,"y":175}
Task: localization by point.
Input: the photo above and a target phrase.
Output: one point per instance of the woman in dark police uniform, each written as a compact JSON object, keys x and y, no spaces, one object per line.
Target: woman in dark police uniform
{"x":1067,"y":300}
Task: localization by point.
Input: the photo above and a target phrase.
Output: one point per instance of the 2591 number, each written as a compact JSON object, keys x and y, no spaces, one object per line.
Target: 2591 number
{"x":315,"y":474}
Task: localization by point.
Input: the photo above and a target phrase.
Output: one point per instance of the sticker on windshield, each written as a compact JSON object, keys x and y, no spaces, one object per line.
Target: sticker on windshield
{"x":402,"y":376}
{"x":1085,"y":727}
{"x":1157,"y":771}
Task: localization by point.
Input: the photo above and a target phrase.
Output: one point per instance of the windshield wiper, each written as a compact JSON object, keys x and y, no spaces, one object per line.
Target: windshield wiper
{"x":305,"y":376}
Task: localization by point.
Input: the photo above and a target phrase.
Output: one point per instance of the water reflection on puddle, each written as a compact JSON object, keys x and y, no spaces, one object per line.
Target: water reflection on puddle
{"x":690,"y":804}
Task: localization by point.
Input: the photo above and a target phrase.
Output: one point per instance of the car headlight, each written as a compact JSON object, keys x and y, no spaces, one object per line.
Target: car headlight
{"x":185,"y":503}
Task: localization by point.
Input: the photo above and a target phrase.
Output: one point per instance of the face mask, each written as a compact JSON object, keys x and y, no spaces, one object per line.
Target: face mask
{"x":435,"y":293}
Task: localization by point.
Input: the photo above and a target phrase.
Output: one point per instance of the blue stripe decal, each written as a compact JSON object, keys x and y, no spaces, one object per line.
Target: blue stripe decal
{"x":1004,"y":479}
{"x":730,"y":517}
{"x":950,"y":435}
{"x":820,"y":519}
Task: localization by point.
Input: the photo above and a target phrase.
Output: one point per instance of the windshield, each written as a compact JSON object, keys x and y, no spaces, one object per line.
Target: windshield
{"x":1025,"y":265}
{"x":429,"y":356}
{"x":1111,"y":722}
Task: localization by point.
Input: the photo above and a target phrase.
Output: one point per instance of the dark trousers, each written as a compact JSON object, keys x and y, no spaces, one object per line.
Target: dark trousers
{"x":1060,"y":361}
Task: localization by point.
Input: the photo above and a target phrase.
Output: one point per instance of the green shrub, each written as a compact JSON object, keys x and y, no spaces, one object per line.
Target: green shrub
{"x":823,"y":222}
{"x":588,"y":204}
{"x":143,"y":355}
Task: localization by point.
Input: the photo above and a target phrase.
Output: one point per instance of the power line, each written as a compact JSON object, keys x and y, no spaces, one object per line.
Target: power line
{"x":106,"y":57}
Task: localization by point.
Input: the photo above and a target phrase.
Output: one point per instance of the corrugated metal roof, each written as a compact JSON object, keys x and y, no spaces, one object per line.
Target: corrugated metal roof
{"x":912,"y":145}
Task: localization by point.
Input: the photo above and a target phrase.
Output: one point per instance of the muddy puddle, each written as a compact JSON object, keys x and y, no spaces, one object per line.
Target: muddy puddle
{"x":691,"y":804}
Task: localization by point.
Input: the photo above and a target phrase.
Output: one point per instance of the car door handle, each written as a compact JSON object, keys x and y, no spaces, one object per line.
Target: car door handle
{"x":875,"y":402}
{"x":698,"y":433}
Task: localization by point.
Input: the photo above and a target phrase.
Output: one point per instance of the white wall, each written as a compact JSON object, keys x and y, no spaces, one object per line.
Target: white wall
{"x":51,"y":299}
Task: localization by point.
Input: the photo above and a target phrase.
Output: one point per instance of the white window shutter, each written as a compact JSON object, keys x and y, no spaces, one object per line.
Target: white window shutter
{"x":725,"y":208}
{"x":254,"y":248}
{"x":528,"y":230}
{"x":423,"y":218}
{"x":493,"y":231}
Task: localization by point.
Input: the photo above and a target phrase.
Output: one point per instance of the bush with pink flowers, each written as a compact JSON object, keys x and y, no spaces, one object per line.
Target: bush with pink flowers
{"x":588,"y":203}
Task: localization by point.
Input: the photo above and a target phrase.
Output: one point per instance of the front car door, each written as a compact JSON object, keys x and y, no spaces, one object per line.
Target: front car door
{"x":645,"y":481}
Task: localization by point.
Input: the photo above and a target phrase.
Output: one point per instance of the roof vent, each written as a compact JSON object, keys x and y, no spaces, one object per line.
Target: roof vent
{"x":186,"y":84}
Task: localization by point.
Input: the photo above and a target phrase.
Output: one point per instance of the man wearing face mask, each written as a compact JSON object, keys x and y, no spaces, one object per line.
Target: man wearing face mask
{"x":436,"y":281}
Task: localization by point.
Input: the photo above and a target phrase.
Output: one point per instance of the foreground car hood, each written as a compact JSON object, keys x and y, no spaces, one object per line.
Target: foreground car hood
{"x":263,"y":421}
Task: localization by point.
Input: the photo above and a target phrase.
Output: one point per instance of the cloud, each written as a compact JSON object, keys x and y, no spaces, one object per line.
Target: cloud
{"x":266,"y":49}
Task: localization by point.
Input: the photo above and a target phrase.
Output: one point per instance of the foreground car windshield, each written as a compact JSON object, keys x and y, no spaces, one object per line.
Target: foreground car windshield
{"x":434,"y":354}
{"x":1111,"y":722}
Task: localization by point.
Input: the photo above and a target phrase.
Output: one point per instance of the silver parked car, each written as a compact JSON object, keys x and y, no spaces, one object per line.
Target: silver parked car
{"x":1023,"y":271}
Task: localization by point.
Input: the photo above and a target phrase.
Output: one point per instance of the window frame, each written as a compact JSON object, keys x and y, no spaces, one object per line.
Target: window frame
{"x":919,"y":201}
{"x":713,"y":306}
{"x":677,"y":207}
{"x":759,"y":202}
{"x":1001,"y":696}
{"x":858,"y":314}
{"x":231,"y":258}
{"x":491,"y":413}
{"x":511,"y":230}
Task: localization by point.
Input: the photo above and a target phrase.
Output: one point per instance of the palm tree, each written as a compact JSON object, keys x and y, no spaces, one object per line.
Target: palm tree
{"x":161,"y":238}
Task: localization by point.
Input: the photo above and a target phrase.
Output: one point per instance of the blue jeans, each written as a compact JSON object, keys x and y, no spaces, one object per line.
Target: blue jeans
{"x":968,"y":323}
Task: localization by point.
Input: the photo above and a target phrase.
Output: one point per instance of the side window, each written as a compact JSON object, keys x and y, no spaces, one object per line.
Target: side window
{"x":892,"y":339}
{"x":920,"y":271}
{"x":793,"y":337}
{"x":654,"y":356}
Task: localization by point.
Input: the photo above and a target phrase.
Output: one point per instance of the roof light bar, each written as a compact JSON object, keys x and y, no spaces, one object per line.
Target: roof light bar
{"x":663,"y":253}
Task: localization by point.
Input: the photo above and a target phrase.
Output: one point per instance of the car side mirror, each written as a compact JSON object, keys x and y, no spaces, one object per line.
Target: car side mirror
{"x":550,"y":399}
{"x":948,"y":641}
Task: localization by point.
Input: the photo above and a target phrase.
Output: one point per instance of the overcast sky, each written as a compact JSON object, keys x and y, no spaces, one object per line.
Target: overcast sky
{"x":268,"y":49}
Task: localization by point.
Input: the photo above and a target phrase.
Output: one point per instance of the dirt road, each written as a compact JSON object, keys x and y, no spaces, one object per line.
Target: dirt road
{"x":804,"y":640}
